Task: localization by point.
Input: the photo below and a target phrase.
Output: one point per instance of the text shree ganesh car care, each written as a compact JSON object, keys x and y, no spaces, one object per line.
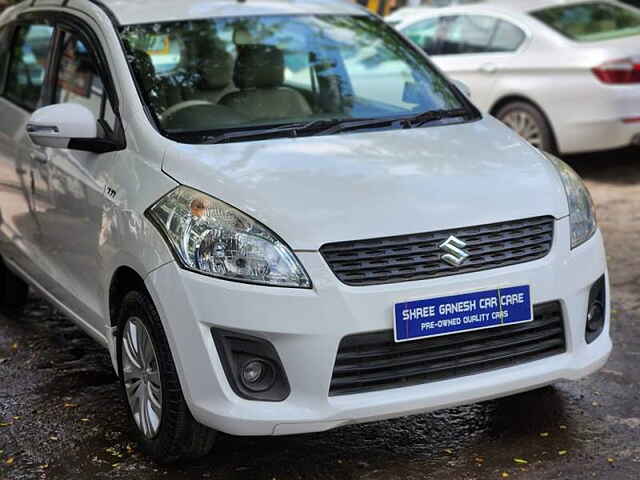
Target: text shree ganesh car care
{"x":217,"y":193}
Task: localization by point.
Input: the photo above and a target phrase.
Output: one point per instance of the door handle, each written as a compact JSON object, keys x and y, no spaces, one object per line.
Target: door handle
{"x":39,"y":157}
{"x":489,"y":68}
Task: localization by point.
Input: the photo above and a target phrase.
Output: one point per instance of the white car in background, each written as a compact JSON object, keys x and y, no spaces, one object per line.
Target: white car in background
{"x":565,"y":75}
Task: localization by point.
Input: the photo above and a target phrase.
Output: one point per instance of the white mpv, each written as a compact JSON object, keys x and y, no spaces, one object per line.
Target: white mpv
{"x":271,"y":230}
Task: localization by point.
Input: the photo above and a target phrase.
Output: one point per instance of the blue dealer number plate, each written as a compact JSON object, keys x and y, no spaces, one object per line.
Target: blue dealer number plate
{"x":461,"y":313}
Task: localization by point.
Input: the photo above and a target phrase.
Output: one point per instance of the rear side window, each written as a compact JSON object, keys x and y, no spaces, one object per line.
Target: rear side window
{"x":28,"y":65}
{"x":591,"y":22}
{"x":507,"y":37}
{"x":468,"y":34}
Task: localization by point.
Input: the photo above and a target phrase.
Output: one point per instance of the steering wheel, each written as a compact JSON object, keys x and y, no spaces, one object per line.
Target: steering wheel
{"x":178,"y":107}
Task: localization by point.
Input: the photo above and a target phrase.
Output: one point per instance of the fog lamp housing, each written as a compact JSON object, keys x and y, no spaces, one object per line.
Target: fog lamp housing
{"x":596,"y":311}
{"x":252,"y":366}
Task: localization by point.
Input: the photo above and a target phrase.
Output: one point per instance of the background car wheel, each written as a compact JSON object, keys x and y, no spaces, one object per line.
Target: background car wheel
{"x":13,"y":290}
{"x":529,"y":123}
{"x":163,"y":425}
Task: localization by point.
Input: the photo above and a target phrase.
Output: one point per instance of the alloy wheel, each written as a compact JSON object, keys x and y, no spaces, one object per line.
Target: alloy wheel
{"x":526,"y":126}
{"x":141,"y":377}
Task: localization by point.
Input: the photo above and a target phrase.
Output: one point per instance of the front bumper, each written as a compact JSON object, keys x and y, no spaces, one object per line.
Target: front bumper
{"x":306,"y":326}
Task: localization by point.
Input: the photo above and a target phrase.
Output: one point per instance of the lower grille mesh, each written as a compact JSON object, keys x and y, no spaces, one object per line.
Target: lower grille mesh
{"x":373,"y":361}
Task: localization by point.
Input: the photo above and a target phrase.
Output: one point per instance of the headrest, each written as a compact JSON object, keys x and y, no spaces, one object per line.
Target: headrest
{"x":243,"y":37}
{"x":259,"y":66}
{"x":145,"y":71}
{"x":217,"y":70}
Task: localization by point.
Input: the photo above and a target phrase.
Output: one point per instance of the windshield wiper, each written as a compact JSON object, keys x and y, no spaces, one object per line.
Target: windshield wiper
{"x":436,"y":115}
{"x":290,"y":130}
{"x":407,"y":122}
{"x":353,"y":124}
{"x":332,"y":126}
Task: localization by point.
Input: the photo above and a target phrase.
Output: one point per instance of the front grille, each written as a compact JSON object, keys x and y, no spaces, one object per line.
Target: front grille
{"x":373,"y":361}
{"x":418,"y":257}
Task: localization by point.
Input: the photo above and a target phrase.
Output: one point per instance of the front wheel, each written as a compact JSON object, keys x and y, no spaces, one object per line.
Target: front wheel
{"x":528,"y":122}
{"x":162,"y":423}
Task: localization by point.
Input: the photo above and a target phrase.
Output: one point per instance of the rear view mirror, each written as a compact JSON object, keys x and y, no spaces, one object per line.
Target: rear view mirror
{"x":57,"y":126}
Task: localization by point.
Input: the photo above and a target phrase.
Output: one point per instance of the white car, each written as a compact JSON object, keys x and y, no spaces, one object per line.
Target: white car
{"x":264,"y":244}
{"x":565,"y":75}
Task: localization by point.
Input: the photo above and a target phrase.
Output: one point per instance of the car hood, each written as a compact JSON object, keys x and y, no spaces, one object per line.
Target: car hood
{"x":317,"y":190}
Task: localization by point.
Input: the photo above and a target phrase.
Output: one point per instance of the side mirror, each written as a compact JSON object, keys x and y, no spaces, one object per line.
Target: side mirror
{"x":68,"y":125}
{"x":57,"y":126}
{"x":463,"y":87}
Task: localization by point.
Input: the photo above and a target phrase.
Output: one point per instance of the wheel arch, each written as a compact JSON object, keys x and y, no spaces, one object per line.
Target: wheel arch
{"x":515,"y":97}
{"x":123,"y":280}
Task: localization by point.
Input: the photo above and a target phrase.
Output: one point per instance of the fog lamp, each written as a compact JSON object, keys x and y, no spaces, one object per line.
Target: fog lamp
{"x":595,"y":317}
{"x":257,"y":375}
{"x":596,"y":313}
{"x":252,"y":372}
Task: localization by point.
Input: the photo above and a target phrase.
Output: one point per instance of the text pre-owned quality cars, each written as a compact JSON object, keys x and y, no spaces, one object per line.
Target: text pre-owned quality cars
{"x":280,"y":218}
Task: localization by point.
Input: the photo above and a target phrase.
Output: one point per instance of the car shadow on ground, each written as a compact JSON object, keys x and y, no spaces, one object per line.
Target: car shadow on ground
{"x":618,"y":167}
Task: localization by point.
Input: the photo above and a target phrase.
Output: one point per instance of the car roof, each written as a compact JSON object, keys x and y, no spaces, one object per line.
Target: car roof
{"x":147,"y":11}
{"x":129,"y":12}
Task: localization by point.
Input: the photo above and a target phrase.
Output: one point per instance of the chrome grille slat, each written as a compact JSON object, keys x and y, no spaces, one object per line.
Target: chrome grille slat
{"x":417,"y":256}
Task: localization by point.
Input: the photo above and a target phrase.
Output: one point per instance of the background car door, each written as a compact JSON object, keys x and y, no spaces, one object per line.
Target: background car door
{"x":74,"y":220}
{"x":474,"y":49}
{"x":21,"y":179}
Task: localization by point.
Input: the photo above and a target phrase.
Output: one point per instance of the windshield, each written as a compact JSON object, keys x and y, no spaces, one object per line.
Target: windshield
{"x":247,"y":72}
{"x":591,"y":22}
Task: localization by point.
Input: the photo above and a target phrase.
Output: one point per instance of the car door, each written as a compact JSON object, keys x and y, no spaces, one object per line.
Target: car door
{"x":475,"y":49}
{"x":77,"y":185}
{"x":26,"y":67}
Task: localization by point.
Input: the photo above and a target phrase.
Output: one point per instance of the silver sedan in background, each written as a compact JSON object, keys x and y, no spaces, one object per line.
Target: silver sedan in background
{"x":563,"y":74}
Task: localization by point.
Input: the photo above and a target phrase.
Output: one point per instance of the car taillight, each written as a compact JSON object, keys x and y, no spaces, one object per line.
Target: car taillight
{"x":624,"y":71}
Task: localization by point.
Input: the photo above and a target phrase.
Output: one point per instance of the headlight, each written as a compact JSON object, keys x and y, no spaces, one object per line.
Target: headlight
{"x":213,"y":238}
{"x":582,"y":213}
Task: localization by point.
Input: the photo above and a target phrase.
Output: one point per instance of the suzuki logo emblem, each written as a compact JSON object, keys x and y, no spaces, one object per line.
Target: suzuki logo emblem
{"x":455,"y":255}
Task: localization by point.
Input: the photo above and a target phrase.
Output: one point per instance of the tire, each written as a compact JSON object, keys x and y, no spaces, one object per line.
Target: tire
{"x":176,"y":435}
{"x":13,"y":290}
{"x":530,"y":123}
